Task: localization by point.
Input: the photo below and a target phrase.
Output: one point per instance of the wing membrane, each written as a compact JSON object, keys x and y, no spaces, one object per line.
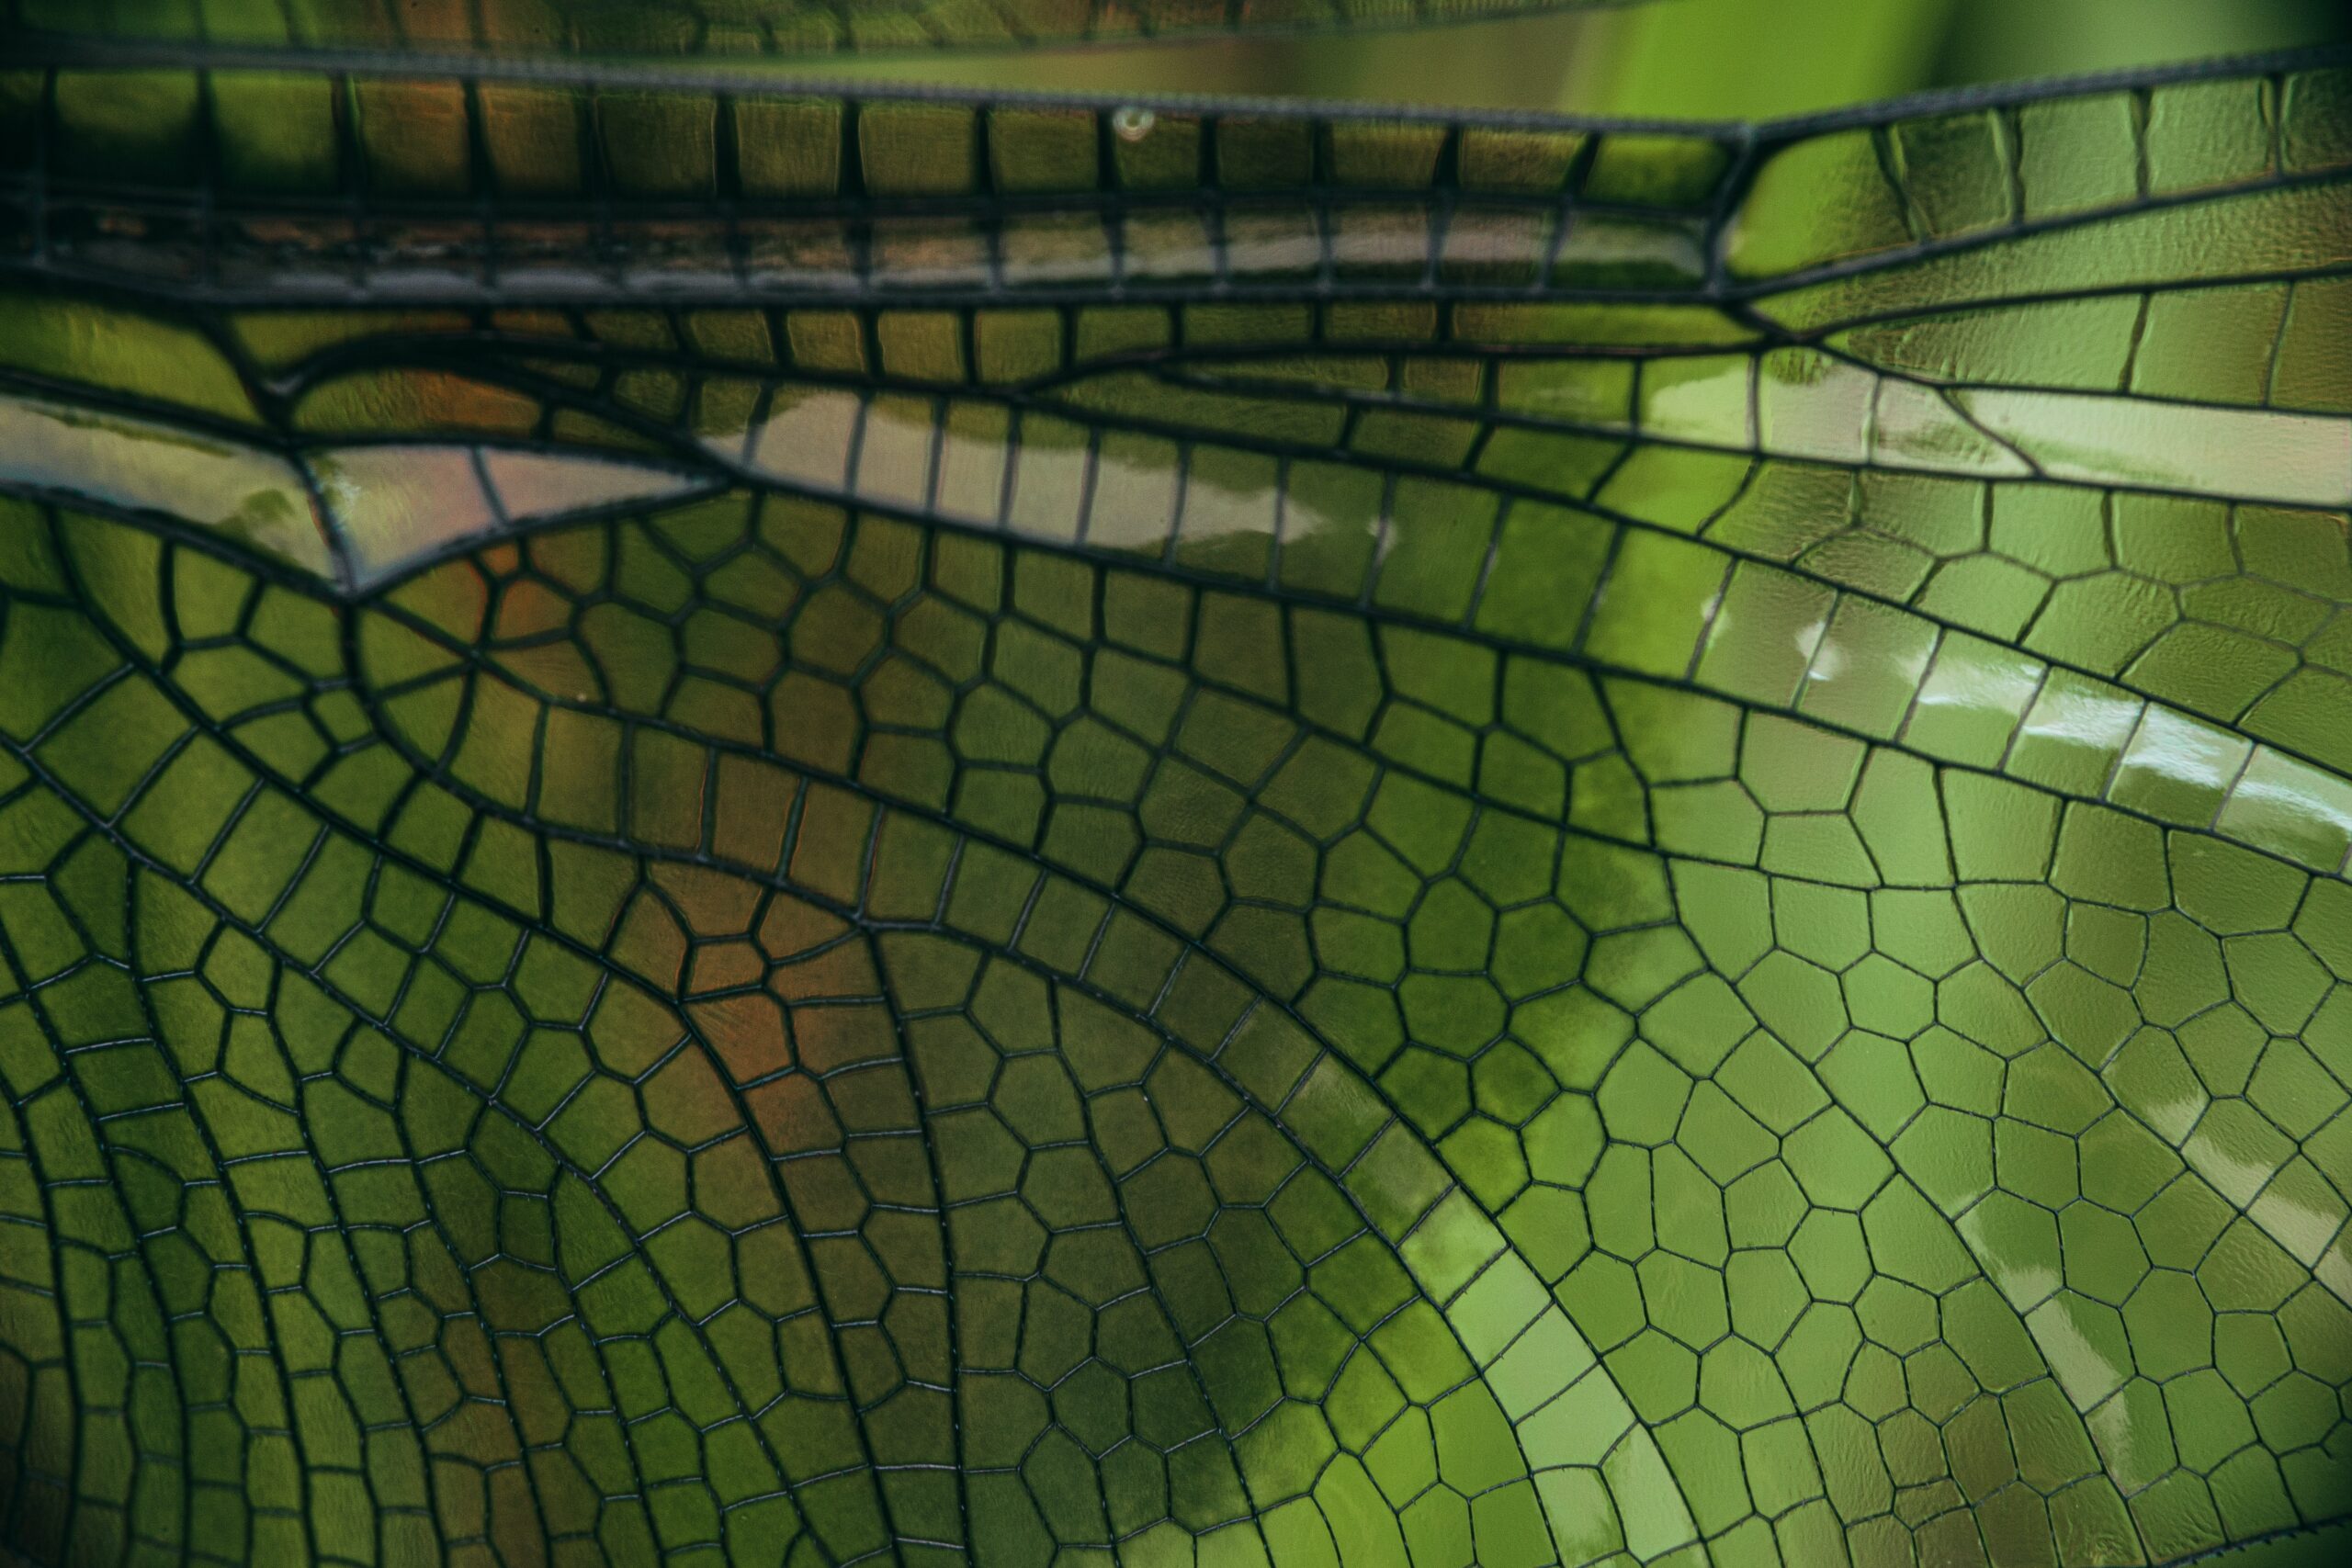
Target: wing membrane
{"x":734,"y":28}
{"x":943,"y":829}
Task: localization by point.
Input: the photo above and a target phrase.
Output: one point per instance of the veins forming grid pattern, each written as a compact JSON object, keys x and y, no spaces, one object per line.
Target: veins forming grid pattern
{"x":794,"y":29}
{"x":1067,"y":944}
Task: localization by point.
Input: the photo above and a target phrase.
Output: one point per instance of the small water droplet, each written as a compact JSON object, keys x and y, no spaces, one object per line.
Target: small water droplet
{"x":1132,"y":123}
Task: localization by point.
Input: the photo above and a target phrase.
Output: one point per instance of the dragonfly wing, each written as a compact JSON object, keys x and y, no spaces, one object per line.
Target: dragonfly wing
{"x":940,"y":828}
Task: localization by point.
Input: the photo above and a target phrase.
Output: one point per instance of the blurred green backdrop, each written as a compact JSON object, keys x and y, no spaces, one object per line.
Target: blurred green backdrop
{"x":1688,"y":58}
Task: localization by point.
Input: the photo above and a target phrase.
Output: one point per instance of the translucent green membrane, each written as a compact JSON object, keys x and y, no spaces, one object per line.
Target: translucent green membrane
{"x":740,"y":827}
